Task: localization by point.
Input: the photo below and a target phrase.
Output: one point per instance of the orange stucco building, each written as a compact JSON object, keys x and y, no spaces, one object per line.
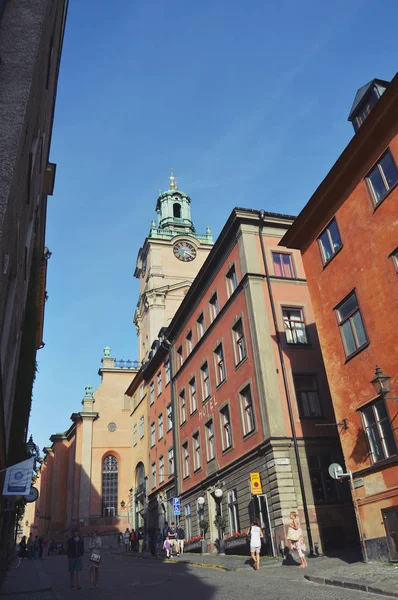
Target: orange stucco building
{"x":348,"y":237}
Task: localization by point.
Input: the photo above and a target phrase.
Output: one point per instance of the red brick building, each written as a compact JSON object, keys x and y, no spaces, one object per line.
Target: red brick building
{"x":348,"y":237}
{"x":248,"y":390}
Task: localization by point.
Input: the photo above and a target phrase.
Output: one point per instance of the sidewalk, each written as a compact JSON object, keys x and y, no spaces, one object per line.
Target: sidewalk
{"x":29,"y":578}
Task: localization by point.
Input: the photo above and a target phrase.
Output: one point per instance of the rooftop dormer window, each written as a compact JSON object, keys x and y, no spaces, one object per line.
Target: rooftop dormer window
{"x":365,"y":100}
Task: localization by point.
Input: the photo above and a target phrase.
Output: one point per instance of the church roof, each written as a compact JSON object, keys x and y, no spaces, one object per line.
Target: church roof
{"x":363,"y":91}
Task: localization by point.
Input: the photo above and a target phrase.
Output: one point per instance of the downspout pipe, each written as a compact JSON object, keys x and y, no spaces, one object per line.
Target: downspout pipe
{"x":261,"y":215}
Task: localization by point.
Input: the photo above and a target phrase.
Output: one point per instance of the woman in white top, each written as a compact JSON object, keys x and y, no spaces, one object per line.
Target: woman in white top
{"x":256,"y":536}
{"x":95,"y":558}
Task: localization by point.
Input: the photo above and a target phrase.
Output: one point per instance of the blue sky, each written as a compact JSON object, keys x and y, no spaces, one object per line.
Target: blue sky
{"x":247,"y":101}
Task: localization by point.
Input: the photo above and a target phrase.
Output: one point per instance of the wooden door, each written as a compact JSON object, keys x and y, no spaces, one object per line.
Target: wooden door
{"x":390,"y":518}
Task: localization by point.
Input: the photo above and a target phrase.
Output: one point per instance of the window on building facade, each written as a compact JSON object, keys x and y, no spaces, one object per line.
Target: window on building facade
{"x":167,"y":371}
{"x":329,"y":241}
{"x":204,"y":369}
{"x":153,"y":471}
{"x":159,"y":382}
{"x":142,"y":427}
{"x":232,"y":281}
{"x":160,"y":426}
{"x":219,"y":364}
{"x":324,"y":488}
{"x":379,"y":432}
{"x":185,"y":460}
{"x":351,"y":325}
{"x":210,"y":441}
{"x":134,"y":400}
{"x":200,"y":326}
{"x":171,"y":461}
{"x":161,"y":469}
{"x":109,"y":486}
{"x":307,"y":395}
{"x":152,"y":393}
{"x":293,"y":321}
{"x":246,"y":400}
{"x":153,"y":435}
{"x":382,"y":178}
{"x":188,"y":521}
{"x":193,"y":400}
{"x":180,"y":359}
{"x":197,"y":452}
{"x":239,"y":341}
{"x":233,"y":511}
{"x":169,"y":413}
{"x":142,"y":391}
{"x":226,"y":429}
{"x":135,"y":434}
{"x":394,"y":258}
{"x":189,"y":342}
{"x":183,"y":407}
{"x":214,"y":307}
{"x":283,"y":265}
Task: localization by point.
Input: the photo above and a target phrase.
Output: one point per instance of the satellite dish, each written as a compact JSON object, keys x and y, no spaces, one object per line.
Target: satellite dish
{"x":336,"y":471}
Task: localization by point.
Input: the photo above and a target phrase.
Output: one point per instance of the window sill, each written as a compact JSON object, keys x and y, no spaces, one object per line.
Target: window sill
{"x":240,"y":362}
{"x":183,"y":423}
{"x":186,"y":477}
{"x":294,"y":345}
{"x":211,"y":460}
{"x":316,"y":418}
{"x":249,"y":434}
{"x":206,"y":399}
{"x":160,"y":439}
{"x":194,"y":412}
{"x":220,"y":384}
{"x":357,"y":351}
{"x":229,"y":449}
{"x":325,"y":264}
{"x":197,"y":470}
{"x":377,"y":465}
{"x":376,"y":206}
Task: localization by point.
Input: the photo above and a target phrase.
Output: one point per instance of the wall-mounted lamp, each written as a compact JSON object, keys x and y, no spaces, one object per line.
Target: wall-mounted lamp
{"x":218,"y":493}
{"x":47,"y":254}
{"x":201,"y":501}
{"x":122,"y":504}
{"x":382,"y":385}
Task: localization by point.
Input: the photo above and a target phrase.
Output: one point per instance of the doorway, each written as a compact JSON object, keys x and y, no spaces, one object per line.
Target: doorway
{"x":390,"y":519}
{"x":261,"y":512}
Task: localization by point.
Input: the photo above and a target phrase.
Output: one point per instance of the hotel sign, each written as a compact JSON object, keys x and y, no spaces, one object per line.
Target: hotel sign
{"x":208,"y":408}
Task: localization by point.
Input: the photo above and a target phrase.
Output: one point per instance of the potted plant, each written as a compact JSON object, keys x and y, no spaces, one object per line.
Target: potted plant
{"x":221,"y":523}
{"x":204,"y":526}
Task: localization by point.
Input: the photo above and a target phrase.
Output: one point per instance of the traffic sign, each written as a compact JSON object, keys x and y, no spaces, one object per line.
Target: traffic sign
{"x":177,"y":506}
{"x":255,"y":483}
{"x":336,"y":471}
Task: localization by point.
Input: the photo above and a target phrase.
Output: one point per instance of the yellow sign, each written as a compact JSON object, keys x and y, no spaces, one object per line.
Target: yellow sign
{"x":255,"y":483}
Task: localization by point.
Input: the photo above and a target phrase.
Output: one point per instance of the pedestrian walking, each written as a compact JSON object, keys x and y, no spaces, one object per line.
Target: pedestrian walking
{"x":36,"y":548}
{"x":75,"y":552}
{"x":95,"y":544}
{"x":22,"y":548}
{"x":29,"y":546}
{"x":140,"y":540}
{"x":181,"y":539}
{"x":132,"y":540}
{"x":255,"y":536}
{"x":126,"y":539}
{"x":295,"y":536}
{"x":172,"y":537}
{"x":166,"y":546}
{"x":46,"y":545}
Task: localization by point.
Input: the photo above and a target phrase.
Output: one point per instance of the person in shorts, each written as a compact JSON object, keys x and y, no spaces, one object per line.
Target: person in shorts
{"x":172,"y":536}
{"x":75,"y":551}
{"x":256,"y":536}
{"x":95,"y":559}
{"x":181,"y":539}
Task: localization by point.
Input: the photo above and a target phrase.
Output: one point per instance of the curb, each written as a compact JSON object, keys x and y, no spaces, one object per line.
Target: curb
{"x":23,"y":592}
{"x":351,"y":584}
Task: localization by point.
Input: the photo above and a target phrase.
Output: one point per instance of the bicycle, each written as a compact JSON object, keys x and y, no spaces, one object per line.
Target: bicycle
{"x":13,"y":560}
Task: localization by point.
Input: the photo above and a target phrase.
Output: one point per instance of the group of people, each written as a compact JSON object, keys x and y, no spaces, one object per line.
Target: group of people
{"x":132,"y":540}
{"x":33,"y":547}
{"x":75,"y":553}
{"x":173,"y":539}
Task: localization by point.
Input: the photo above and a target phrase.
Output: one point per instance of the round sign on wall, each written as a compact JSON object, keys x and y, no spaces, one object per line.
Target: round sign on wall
{"x":33,"y":495}
{"x":335,"y":470}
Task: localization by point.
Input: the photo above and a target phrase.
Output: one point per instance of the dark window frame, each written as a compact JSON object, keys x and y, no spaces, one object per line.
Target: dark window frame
{"x":372,"y":404}
{"x":299,"y":402}
{"x":376,"y":203}
{"x":348,"y":317}
{"x":325,"y":260}
{"x":302,"y":321}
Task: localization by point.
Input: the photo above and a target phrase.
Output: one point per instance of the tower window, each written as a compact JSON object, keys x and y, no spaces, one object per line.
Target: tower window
{"x":177,"y":210}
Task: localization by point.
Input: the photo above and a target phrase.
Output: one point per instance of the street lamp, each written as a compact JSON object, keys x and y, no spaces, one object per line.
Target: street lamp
{"x":123,"y":504}
{"x":382,"y":385}
{"x":31,"y":447}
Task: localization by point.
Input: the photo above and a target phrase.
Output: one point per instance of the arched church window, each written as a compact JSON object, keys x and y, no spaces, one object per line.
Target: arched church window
{"x":177,"y":210}
{"x":109,"y":486}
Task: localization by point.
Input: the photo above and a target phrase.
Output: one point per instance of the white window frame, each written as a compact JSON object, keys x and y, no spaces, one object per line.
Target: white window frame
{"x":193,"y":395}
{"x":160,"y":426}
{"x":196,"y":451}
{"x":210,"y":440}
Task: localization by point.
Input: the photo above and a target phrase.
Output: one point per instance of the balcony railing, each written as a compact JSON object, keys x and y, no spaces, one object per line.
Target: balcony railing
{"x":127,"y":364}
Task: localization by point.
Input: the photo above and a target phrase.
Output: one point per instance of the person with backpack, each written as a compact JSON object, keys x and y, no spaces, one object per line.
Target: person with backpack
{"x":255,"y":536}
{"x":173,"y":539}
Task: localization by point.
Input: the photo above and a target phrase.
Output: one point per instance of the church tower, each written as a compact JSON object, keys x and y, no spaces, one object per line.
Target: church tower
{"x":167,"y":264}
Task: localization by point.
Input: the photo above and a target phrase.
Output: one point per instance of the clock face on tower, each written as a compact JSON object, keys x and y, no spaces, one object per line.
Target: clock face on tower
{"x":184,"y":251}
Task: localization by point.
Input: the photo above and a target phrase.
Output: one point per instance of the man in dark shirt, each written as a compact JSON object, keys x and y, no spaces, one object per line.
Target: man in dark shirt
{"x":173,"y":539}
{"x":75,"y":551}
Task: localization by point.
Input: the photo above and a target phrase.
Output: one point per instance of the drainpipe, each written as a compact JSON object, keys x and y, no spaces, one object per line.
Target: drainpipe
{"x":168,"y":346}
{"x":261,"y":215}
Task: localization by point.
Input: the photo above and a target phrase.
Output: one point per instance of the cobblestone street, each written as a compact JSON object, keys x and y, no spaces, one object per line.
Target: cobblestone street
{"x":123,"y":575}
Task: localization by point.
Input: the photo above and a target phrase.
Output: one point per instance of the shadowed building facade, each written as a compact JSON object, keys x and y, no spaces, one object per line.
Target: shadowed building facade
{"x":348,"y":238}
